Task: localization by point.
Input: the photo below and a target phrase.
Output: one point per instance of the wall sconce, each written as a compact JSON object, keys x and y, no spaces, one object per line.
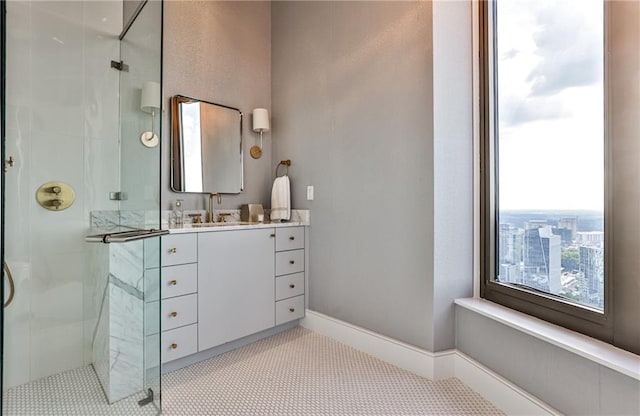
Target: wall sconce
{"x":149,"y":103}
{"x":260,"y":124}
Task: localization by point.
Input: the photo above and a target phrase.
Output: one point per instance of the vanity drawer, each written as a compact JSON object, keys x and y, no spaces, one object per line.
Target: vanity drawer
{"x":289,"y":286}
{"x":179,"y":342}
{"x":179,"y":311}
{"x":289,"y":309}
{"x":288,"y":262}
{"x":289,"y":238}
{"x":179,"y":249}
{"x":179,"y":280}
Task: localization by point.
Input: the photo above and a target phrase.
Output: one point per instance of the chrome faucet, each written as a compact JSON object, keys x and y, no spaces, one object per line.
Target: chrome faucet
{"x":210,"y":217}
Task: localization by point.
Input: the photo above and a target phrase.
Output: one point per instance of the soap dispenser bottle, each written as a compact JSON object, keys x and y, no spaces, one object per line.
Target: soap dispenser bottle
{"x":178,"y":214}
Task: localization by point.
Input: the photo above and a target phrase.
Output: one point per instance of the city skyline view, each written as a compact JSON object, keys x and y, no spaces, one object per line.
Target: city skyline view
{"x":557,"y":252}
{"x":550,"y":147}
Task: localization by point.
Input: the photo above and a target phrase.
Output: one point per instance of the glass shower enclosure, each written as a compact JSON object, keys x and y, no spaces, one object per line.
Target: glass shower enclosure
{"x":80,"y":207}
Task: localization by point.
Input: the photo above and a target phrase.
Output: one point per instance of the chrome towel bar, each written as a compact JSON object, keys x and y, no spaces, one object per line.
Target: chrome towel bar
{"x":124,"y":236}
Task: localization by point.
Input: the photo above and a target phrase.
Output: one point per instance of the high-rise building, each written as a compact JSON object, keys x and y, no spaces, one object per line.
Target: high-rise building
{"x":533,"y":224}
{"x":542,"y":258}
{"x":510,"y":255}
{"x":590,"y":238}
{"x":511,"y":240}
{"x":592,"y":265}
{"x":566,"y":235}
{"x":569,"y":223}
{"x":511,"y":273}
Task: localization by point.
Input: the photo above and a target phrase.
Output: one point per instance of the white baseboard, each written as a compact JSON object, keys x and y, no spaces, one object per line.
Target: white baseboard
{"x":424,"y":363}
{"x":505,"y":395}
{"x":435,"y":366}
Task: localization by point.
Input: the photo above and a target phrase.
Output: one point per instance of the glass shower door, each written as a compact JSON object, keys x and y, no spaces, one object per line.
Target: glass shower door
{"x":134,"y":273}
{"x":81,"y":335}
{"x":140,"y":112}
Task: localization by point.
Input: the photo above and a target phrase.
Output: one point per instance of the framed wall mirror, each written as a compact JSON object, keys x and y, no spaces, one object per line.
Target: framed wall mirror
{"x":206,"y":147}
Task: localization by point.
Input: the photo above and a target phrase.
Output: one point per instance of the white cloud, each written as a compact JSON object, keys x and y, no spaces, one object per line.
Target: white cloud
{"x":567,"y":40}
{"x":551,"y":104}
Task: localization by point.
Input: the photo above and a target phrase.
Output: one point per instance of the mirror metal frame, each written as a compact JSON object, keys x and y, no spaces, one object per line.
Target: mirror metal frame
{"x":176,"y":147}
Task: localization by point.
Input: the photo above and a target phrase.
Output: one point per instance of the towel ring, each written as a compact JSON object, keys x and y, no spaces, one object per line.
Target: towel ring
{"x":286,"y":164}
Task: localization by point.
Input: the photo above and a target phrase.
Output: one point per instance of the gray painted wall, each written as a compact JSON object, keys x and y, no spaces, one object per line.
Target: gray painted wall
{"x":352,"y":100}
{"x":353,"y":107}
{"x":566,"y":381}
{"x":353,"y":103}
{"x":453,"y":165}
{"x":220,"y":52}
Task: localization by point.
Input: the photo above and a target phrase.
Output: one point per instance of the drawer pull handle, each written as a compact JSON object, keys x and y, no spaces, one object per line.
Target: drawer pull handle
{"x":272,"y":236}
{"x":173,"y":282}
{"x":291,"y":262}
{"x":292,"y":238}
{"x":292,"y":286}
{"x":173,"y":250}
{"x":292,"y":310}
{"x":174,"y":346}
{"x":174,"y":314}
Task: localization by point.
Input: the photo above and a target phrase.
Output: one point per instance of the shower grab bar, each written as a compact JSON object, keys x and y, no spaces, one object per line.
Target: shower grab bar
{"x":124,"y":236}
{"x":12,"y":287}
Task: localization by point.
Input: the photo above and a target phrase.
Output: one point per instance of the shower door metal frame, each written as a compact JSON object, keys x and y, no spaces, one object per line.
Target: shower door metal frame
{"x":3,"y":44}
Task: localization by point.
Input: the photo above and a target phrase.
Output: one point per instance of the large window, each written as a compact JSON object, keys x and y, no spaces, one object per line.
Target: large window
{"x":543,"y":130}
{"x":560,"y":162}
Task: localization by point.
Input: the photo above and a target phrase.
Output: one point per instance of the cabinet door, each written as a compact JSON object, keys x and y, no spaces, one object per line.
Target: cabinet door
{"x":179,"y":280}
{"x":288,"y":262}
{"x":178,"y":249}
{"x":289,"y":309}
{"x":289,"y":238}
{"x":235,"y":285}
{"x":179,"y":311}
{"x":179,"y":342}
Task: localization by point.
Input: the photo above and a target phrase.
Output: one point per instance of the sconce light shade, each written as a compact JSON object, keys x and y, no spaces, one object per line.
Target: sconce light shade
{"x":150,"y":99}
{"x":149,"y":103}
{"x":260,"y":120}
{"x":260,"y":124}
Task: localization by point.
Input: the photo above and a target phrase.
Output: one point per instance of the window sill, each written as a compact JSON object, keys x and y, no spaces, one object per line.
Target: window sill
{"x":592,"y":349}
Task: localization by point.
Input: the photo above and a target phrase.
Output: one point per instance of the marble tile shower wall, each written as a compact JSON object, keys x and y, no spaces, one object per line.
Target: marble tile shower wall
{"x":119,"y":341}
{"x":62,"y":124}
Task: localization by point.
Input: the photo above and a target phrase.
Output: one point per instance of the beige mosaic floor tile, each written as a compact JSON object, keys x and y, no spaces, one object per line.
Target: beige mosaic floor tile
{"x":297,"y":372}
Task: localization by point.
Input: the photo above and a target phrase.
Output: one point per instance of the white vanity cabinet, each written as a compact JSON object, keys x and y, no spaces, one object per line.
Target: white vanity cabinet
{"x":235,"y":285}
{"x":220,"y":286}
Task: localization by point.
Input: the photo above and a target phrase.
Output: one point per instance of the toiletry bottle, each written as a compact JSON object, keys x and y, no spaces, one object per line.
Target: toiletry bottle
{"x":178,"y":213}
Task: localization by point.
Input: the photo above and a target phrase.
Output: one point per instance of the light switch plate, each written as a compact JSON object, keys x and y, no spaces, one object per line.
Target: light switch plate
{"x":309,"y":193}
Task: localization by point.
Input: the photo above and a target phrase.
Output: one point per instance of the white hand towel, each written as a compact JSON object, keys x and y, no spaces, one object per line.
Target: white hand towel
{"x":281,"y":199}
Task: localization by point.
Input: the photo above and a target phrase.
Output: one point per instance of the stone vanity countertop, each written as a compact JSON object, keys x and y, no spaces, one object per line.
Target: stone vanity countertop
{"x":110,"y":222}
{"x":202,"y":228}
{"x":299,"y":218}
{"x":232,"y":225}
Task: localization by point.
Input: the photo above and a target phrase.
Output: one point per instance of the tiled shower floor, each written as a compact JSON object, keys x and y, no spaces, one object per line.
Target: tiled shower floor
{"x":297,"y":372}
{"x":76,"y":392}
